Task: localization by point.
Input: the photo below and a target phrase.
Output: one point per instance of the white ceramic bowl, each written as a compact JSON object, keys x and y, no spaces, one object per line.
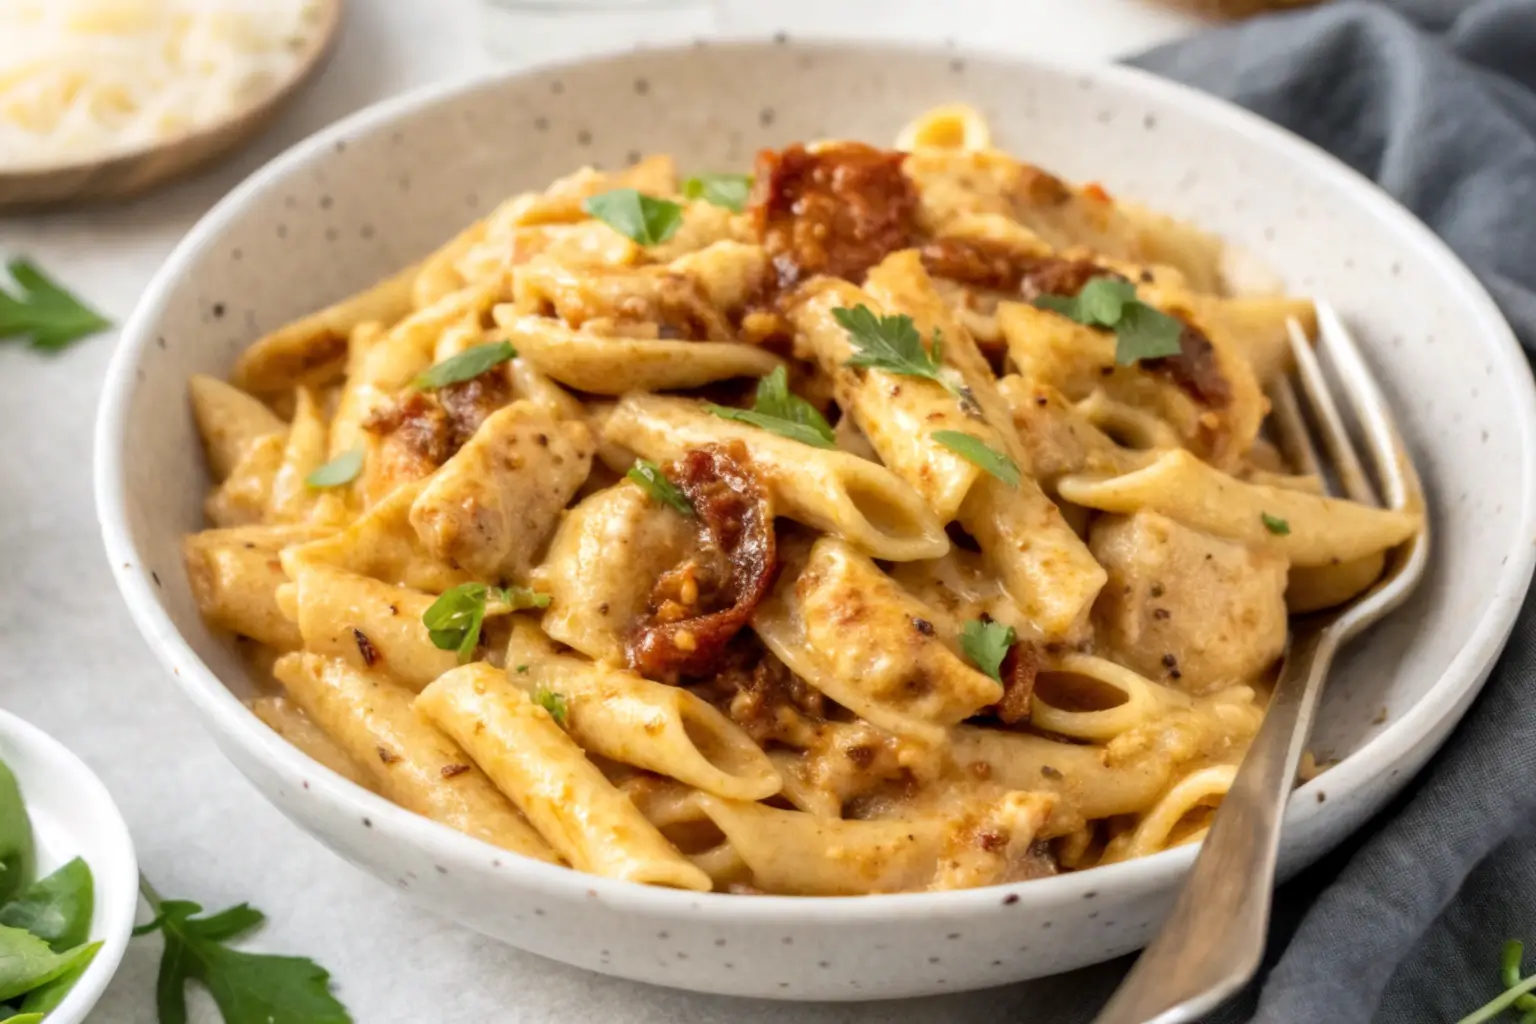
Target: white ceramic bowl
{"x":73,"y":816}
{"x":382,"y":188}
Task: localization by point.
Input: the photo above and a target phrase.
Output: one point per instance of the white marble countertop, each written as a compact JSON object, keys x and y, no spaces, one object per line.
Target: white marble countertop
{"x":74,"y":664}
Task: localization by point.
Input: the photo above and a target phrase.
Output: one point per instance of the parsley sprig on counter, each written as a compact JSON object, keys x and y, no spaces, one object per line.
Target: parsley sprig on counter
{"x":43,"y":311}
{"x":777,"y":409}
{"x":1141,"y":331}
{"x":248,"y":988}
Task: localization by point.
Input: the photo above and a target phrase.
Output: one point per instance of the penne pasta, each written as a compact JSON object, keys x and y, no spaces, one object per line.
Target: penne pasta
{"x":614,"y":365}
{"x":1315,"y":531}
{"x":630,"y":719}
{"x":878,"y":521}
{"x":545,"y":773}
{"x":829,"y":490}
{"x":891,"y":667}
{"x":408,"y":760}
{"x":312,"y":351}
{"x":230,"y":422}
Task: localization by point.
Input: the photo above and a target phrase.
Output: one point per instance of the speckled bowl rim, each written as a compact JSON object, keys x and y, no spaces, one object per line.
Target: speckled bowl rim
{"x":233,"y":722}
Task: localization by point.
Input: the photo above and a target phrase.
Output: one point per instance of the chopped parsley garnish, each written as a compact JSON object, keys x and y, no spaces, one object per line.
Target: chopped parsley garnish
{"x":987,"y":644}
{"x":1275,"y":525}
{"x":43,"y":311}
{"x":776,"y":409}
{"x":891,"y":343}
{"x":979,"y":453}
{"x":640,"y":218}
{"x":453,"y":621}
{"x":1141,"y":331}
{"x":661,"y":490}
{"x":343,"y":469}
{"x":554,"y":703}
{"x":727,"y":190}
{"x":467,"y":365}
{"x":248,"y":988}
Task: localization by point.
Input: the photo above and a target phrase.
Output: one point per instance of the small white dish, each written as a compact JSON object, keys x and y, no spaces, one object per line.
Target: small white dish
{"x":382,"y":188}
{"x":74,"y":816}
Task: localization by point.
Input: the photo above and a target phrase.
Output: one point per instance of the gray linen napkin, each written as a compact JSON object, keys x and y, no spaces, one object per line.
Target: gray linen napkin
{"x":1436,"y":101}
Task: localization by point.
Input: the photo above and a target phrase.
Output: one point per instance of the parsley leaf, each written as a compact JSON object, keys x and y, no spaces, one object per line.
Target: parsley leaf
{"x":453,"y":621}
{"x":640,"y":218}
{"x":1275,"y":525}
{"x":44,"y":312}
{"x":57,"y":909}
{"x":978,"y":453}
{"x":727,"y":190}
{"x":249,"y":988}
{"x":467,"y":365}
{"x":777,"y":410}
{"x":343,"y":469}
{"x":18,"y":851}
{"x":554,"y":703}
{"x":27,"y":962}
{"x":987,"y":644}
{"x":891,"y":343}
{"x":655,"y":483}
{"x":1141,"y":331}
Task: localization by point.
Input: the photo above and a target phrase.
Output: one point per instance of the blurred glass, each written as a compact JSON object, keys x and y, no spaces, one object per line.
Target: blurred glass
{"x":537,"y":30}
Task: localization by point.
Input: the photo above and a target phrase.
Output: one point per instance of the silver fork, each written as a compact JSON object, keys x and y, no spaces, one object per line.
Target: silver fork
{"x":1213,"y":940}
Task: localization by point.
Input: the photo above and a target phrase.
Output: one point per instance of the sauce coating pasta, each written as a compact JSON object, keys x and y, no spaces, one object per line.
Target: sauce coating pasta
{"x":901,"y":519}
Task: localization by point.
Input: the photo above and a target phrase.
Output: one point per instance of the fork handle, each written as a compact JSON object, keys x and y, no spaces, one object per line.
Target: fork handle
{"x":1213,"y":940}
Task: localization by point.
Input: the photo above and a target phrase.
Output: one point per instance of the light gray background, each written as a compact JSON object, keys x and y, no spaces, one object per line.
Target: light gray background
{"x":71,"y":661}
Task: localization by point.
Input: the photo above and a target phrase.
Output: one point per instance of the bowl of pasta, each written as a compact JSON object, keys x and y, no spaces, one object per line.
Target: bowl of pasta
{"x":696,"y":516}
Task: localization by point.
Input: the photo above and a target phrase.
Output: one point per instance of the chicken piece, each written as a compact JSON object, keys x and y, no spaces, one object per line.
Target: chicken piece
{"x":493,"y":504}
{"x":1184,"y":607}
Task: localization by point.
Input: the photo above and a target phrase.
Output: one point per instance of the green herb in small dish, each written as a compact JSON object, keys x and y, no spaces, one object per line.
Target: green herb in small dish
{"x":44,"y":922}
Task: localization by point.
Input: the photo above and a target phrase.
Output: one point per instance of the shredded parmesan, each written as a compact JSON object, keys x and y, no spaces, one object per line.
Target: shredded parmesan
{"x":81,"y":79}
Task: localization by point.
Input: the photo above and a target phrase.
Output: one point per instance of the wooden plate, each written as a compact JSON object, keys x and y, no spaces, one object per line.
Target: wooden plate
{"x":127,"y":174}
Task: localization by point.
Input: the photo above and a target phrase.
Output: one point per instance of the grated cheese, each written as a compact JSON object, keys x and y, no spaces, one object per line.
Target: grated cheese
{"x":82,"y":79}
